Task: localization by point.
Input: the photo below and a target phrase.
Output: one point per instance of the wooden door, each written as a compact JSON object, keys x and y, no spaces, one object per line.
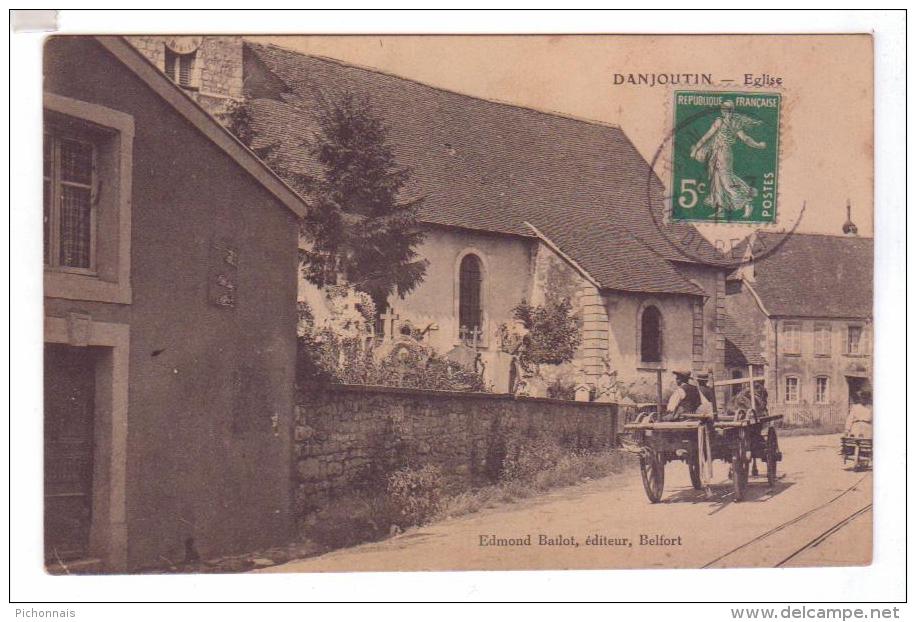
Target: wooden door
{"x":68,"y":448}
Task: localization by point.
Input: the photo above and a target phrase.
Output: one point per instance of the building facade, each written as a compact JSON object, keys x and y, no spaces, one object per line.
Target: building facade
{"x":814,"y":335}
{"x":168,"y":388}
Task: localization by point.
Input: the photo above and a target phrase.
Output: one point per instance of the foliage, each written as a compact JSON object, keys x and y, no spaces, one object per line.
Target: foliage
{"x":350,"y":520}
{"x":352,"y":312}
{"x":343,"y":351}
{"x":357,"y":227}
{"x":528,"y":457}
{"x":415,"y":494}
{"x":408,"y":497}
{"x":553,"y":332}
{"x":561,"y":389}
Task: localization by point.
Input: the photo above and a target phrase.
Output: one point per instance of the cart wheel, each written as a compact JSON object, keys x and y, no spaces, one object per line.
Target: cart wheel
{"x":740,"y":467}
{"x":652,"y":469}
{"x":772,"y":455}
{"x":693,"y":465}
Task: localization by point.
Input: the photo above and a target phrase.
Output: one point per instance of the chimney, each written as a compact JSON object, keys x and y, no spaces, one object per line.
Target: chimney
{"x":849,"y":227}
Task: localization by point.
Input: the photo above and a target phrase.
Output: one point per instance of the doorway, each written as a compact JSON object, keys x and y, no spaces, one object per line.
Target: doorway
{"x":69,"y":428}
{"x":855,"y":384}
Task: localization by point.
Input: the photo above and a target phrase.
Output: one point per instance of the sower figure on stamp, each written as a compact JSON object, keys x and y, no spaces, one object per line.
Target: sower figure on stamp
{"x":727,"y":191}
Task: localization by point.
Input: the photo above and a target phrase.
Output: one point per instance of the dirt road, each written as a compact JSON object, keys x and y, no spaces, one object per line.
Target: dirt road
{"x":817,"y":514}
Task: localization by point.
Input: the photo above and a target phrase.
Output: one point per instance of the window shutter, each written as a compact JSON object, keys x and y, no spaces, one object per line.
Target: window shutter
{"x":845,"y":339}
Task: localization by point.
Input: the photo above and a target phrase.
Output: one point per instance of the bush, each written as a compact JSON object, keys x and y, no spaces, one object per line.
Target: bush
{"x":324,"y":357}
{"x":569,"y":468}
{"x":527,"y":457}
{"x":350,"y":520}
{"x":553,"y":332}
{"x":409,"y":497}
{"x":415,"y":495}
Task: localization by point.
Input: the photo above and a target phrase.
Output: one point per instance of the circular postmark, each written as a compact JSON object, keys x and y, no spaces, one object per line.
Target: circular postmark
{"x":721,"y":158}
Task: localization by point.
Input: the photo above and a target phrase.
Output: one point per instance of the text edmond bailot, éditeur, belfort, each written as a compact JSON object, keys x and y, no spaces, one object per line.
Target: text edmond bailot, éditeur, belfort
{"x":599,"y":540}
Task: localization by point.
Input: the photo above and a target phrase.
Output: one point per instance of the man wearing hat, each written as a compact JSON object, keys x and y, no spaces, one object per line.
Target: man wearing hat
{"x":685,"y":399}
{"x":707,"y":391}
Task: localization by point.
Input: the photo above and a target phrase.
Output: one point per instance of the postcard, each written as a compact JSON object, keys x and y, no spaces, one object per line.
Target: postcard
{"x":363,"y":303}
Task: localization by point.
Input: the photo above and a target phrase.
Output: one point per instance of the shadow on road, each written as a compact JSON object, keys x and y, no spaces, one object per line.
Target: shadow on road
{"x":722,"y":494}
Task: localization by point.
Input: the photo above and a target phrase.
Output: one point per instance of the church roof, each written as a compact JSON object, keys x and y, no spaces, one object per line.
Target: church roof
{"x":815,"y":275}
{"x":741,"y":348}
{"x":486,"y":165}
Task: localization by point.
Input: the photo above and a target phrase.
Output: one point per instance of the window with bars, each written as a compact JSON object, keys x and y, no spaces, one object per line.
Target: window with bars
{"x":180,"y":67}
{"x":470,"y":314}
{"x":791,"y":394}
{"x":70,"y":184}
{"x":821,"y":390}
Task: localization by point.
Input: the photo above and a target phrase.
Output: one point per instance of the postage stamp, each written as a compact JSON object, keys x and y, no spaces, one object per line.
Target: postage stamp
{"x":725,"y":157}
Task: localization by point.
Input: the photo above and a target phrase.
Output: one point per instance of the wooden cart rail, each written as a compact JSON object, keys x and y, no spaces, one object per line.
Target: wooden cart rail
{"x":695,"y":421}
{"x":743,"y":423}
{"x":663,"y":425}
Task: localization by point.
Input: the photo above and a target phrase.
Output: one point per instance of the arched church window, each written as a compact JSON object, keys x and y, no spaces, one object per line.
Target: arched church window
{"x":650,"y":332}
{"x":470,"y":313}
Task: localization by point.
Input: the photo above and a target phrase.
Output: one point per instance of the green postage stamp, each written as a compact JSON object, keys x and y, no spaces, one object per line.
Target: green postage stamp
{"x":725,"y":157}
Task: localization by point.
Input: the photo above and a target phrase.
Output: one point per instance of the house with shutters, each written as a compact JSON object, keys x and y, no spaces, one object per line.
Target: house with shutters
{"x":519,"y":204}
{"x":813,"y":334}
{"x":170,"y":269}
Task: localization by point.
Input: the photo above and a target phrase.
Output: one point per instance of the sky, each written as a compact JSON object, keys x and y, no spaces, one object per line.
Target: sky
{"x":826,"y":82}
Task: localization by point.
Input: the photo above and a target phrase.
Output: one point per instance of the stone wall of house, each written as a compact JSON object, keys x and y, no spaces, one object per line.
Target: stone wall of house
{"x":345,"y":434}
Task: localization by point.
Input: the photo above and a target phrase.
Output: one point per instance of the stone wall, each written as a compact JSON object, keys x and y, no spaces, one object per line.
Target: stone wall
{"x":343,"y":434}
{"x":216,"y":74}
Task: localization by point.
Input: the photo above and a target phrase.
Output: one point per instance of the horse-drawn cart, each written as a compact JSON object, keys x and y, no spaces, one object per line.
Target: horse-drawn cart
{"x":740,"y":439}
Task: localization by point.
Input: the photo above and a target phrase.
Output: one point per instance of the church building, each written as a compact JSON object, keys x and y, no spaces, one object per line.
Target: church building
{"x":517,"y":204}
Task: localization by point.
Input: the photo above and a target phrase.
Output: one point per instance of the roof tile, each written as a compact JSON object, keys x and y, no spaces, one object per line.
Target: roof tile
{"x":489,"y":166}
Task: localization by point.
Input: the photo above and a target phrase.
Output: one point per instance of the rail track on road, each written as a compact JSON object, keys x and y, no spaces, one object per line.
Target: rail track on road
{"x":798,"y":519}
{"x":826,"y":534}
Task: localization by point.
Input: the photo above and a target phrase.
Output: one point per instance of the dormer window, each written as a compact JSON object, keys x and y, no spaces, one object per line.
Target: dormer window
{"x":180,"y":67}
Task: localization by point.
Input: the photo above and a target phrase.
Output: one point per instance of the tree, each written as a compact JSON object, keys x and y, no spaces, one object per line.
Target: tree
{"x":553,"y":333}
{"x":356,"y":226}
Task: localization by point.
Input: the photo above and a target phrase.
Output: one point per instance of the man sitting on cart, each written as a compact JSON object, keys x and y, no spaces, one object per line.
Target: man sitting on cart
{"x":685,"y":399}
{"x":706,"y":392}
